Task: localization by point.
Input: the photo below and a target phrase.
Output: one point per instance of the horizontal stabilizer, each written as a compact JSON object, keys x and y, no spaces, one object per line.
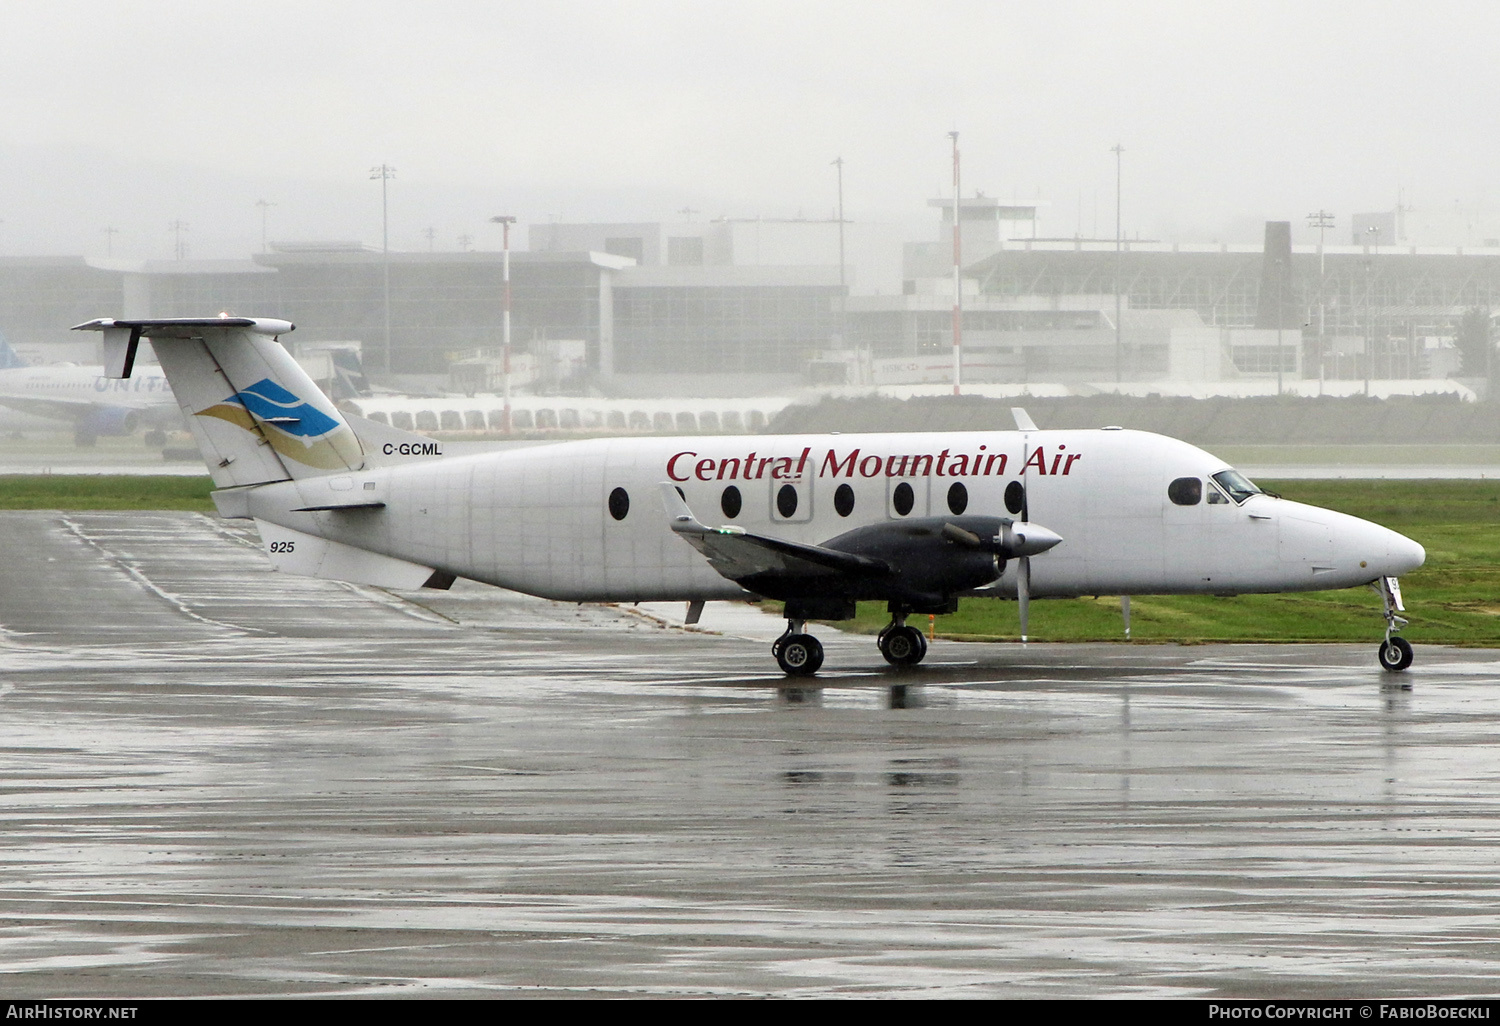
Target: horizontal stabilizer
{"x":305,"y":555}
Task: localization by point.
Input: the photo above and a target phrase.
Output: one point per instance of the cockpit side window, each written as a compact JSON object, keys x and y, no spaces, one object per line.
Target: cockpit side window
{"x":1185,"y":491}
{"x":1236,"y":484}
{"x":1216,"y":497}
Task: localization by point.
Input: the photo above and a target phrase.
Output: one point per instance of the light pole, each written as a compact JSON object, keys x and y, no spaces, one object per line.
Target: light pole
{"x":1280,"y":354}
{"x":1322,"y":221}
{"x":109,"y":239}
{"x":385,"y":173}
{"x":1117,"y":150}
{"x":177,"y":228}
{"x":843,"y":284}
{"x":958,"y":290}
{"x":505,"y":221}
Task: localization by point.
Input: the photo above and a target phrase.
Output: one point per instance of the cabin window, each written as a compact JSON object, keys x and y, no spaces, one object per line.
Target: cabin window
{"x":426,"y":420}
{"x":451,"y":420}
{"x":474,"y":420}
{"x":379,"y":417}
{"x":640,"y":420}
{"x":903,"y":498}
{"x":518,"y":418}
{"x":1185,"y":491}
{"x":687,"y":422}
{"x":730,"y":502}
{"x":1015,"y":497}
{"x":402,"y":419}
{"x":615,"y":420}
{"x":546,"y":419}
{"x":1236,"y":484}
{"x":843,"y":500}
{"x":708,"y":421}
{"x":958,"y":497}
{"x":786,"y":501}
{"x":619,"y":503}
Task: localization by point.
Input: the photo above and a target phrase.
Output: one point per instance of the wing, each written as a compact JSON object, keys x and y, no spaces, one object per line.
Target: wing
{"x":738,"y":554}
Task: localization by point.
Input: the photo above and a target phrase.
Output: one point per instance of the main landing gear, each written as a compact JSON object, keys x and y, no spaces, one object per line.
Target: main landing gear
{"x":901,"y":645}
{"x":1395,"y":652}
{"x":799,"y":654}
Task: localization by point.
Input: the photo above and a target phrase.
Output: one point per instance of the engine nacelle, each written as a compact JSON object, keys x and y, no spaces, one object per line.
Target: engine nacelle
{"x":107,"y":420}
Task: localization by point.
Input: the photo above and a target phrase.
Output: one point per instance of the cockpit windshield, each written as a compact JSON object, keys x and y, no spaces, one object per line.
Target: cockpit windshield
{"x":1236,"y":484}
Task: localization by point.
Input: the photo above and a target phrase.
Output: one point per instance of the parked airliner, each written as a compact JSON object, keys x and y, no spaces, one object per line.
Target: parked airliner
{"x":816,"y":521}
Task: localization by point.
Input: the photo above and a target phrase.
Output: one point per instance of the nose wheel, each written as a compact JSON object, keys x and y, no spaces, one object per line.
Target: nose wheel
{"x":1395,"y":652}
{"x":797,"y":653}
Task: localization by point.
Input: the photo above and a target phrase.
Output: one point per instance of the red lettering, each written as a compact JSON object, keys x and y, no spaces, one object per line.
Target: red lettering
{"x":837,"y":465}
{"x":724,"y":467}
{"x":916,"y":461}
{"x":959,"y":467}
{"x":760,"y":468}
{"x":802,"y":463}
{"x":942,"y":458}
{"x":1071,"y":457}
{"x":1039,"y":458}
{"x":672,"y":466}
{"x":989,"y":462}
{"x":705,"y":470}
{"x":892,"y":469}
{"x":1055,"y":461}
{"x":865,"y":470}
{"x":783,"y":468}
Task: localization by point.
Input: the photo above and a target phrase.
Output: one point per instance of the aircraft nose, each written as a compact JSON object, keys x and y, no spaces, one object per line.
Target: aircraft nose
{"x":1406,"y":555}
{"x":1031,"y":539}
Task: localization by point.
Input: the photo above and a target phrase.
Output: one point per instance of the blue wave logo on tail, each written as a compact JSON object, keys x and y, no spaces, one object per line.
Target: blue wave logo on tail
{"x":296,"y":429}
{"x":270,"y":402}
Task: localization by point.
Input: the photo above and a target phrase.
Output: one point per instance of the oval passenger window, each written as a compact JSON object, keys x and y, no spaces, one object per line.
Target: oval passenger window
{"x":619,"y":503}
{"x":903,"y":498}
{"x":958,"y":497}
{"x":730,"y":502}
{"x":786,"y":501}
{"x":1185,"y":491}
{"x":843,"y":500}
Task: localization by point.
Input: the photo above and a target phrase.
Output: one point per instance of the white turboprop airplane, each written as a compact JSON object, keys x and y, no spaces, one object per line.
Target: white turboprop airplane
{"x":817,"y":521}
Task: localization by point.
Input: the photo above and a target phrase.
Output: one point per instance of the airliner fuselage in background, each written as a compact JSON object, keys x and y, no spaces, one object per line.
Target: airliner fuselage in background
{"x":94,"y":402}
{"x":817,"y":521}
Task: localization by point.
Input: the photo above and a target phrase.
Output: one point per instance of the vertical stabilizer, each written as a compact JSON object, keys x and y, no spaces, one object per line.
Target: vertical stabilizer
{"x":256,"y":415}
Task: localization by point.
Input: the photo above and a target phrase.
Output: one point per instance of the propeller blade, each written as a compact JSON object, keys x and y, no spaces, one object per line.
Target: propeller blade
{"x":1023,"y":591}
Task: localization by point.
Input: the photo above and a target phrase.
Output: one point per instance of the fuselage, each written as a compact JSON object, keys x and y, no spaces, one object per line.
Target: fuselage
{"x":584,"y":520}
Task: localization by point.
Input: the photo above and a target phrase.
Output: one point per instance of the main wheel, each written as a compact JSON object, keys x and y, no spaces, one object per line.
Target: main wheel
{"x":903,"y":646}
{"x":1395,"y":654}
{"x":800,"y":655}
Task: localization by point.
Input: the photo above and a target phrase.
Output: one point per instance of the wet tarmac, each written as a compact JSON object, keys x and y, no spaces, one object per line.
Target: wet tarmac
{"x":215,"y":780}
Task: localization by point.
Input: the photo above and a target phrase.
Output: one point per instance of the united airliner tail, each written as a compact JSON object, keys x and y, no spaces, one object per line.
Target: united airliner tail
{"x":8,"y":358}
{"x":255,"y":413}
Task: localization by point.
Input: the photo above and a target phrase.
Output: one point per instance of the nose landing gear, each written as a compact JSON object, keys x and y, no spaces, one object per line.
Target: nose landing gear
{"x":1395,"y":652}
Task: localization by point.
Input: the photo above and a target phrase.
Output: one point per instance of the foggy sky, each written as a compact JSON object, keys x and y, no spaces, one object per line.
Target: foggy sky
{"x":137,"y":114}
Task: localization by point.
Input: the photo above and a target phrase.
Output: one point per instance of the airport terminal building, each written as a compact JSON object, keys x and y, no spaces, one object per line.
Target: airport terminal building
{"x":761,"y":302}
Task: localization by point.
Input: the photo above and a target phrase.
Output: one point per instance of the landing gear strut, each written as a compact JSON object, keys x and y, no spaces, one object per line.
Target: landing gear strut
{"x":797,"y":653}
{"x":1395,"y":652}
{"x":899,"y":644}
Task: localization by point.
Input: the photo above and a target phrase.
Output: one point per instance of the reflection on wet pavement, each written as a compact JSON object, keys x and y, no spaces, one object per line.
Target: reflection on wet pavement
{"x":219,"y":780}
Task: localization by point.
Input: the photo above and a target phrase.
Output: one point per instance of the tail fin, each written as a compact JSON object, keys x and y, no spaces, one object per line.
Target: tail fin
{"x":8,"y":357}
{"x":256,"y":415}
